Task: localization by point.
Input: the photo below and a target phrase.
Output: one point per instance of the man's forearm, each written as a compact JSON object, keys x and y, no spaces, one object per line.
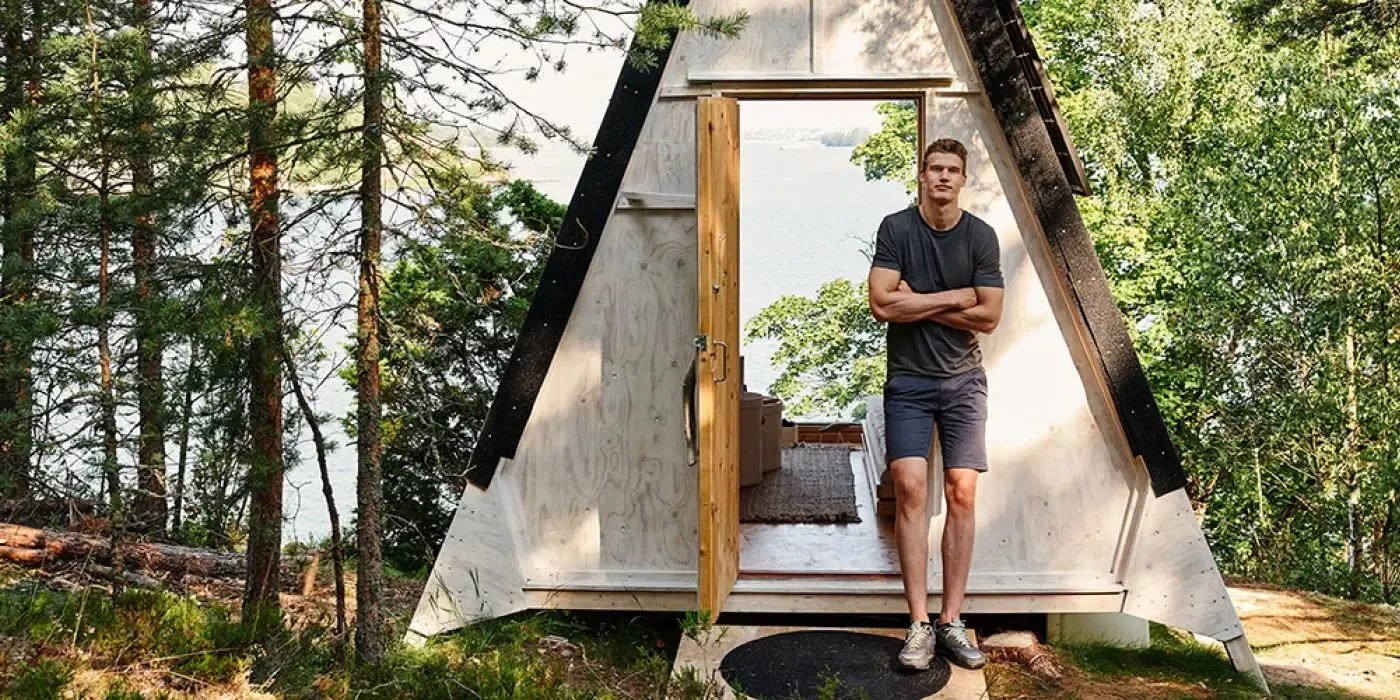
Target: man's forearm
{"x":980,"y":318}
{"x":908,"y":307}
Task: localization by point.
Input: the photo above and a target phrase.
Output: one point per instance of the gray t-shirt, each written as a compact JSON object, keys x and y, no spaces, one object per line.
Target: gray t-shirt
{"x":930,"y":260}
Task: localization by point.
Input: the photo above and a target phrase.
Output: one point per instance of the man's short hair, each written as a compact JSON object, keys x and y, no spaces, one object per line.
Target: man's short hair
{"x":952,"y":146}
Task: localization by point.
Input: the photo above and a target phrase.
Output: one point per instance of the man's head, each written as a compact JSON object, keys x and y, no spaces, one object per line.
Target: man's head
{"x":942,"y":171}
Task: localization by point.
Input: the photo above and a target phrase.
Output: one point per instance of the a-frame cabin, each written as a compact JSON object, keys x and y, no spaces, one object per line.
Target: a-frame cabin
{"x":593,"y":489}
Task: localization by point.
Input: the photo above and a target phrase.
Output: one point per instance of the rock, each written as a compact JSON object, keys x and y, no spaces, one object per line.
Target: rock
{"x":1012,"y":640}
{"x":558,"y":645}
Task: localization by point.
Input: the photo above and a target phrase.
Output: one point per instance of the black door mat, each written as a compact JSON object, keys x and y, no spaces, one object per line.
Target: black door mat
{"x":813,"y":664}
{"x":814,"y":485}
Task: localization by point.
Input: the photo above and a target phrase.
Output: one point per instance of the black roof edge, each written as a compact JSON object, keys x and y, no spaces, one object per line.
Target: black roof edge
{"x":1044,"y":95}
{"x":988,"y":26}
{"x":567,"y":266}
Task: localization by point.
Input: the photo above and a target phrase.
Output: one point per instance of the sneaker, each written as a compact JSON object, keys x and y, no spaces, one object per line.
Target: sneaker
{"x":918,"y":647}
{"x":952,"y":640}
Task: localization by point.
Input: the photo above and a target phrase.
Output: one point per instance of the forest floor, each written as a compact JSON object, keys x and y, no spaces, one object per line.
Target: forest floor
{"x":61,"y":636}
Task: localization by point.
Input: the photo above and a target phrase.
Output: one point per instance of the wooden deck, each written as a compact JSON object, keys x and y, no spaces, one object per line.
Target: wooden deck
{"x":863,"y":548}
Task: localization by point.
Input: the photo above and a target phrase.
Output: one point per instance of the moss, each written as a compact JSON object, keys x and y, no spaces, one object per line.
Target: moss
{"x":40,"y":681}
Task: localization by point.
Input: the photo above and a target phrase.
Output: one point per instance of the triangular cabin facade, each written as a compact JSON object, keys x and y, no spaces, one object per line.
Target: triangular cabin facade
{"x":601,"y":480}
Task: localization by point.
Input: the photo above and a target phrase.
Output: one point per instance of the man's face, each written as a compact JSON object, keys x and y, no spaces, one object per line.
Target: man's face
{"x":942,"y":177}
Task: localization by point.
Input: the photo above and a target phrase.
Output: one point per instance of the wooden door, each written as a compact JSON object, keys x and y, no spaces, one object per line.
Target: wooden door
{"x":717,"y":375}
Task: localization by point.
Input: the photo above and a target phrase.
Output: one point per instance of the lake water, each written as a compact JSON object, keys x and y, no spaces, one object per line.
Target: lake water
{"x":806,"y":213}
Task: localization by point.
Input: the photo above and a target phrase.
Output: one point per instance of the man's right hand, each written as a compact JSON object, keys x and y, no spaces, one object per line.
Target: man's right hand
{"x":892,"y":301}
{"x":966,"y":297}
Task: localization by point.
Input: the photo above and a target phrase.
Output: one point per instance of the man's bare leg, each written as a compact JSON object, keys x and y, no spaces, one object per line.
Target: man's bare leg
{"x":959,"y":528}
{"x":911,"y":531}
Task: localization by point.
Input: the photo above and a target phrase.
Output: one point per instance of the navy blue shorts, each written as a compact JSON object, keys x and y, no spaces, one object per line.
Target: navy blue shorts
{"x":958,"y":404}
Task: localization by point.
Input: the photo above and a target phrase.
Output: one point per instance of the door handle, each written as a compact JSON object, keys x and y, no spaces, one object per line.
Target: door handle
{"x":725,"y":364}
{"x":692,"y":454}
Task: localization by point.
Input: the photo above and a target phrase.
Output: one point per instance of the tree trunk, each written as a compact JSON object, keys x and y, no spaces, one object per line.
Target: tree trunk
{"x":1350,"y":448}
{"x":265,"y":409}
{"x":107,"y":397}
{"x":337,"y":558}
{"x":1350,"y":457}
{"x":150,"y":506}
{"x":177,"y":518}
{"x":370,"y":635}
{"x":1384,"y":544}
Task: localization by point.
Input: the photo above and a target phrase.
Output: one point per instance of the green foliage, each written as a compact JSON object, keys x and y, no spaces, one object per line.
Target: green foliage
{"x":1239,"y":213}
{"x":1360,"y":25}
{"x":831,"y":350}
{"x":831,"y":687}
{"x":1245,"y":184}
{"x":888,"y":154}
{"x":119,"y":689}
{"x":452,"y":306}
{"x":1174,"y":657}
{"x":1175,"y":660}
{"x":539,"y":656}
{"x":657,"y":22}
{"x":695,"y":624}
{"x":42,"y":681}
{"x":138,"y":624}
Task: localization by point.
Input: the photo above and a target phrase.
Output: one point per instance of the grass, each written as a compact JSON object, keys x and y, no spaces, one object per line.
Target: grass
{"x":161,"y":645}
{"x":1175,"y":666}
{"x":158,"y":644}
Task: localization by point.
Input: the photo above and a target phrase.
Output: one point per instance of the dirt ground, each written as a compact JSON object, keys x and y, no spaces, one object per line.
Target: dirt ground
{"x":318,"y":608}
{"x":1308,"y":639}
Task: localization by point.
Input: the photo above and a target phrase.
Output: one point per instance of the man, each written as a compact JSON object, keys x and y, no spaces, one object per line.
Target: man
{"x":936,"y":279}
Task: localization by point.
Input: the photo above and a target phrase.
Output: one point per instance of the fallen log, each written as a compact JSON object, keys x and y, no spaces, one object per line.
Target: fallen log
{"x":129,"y":578}
{"x":34,"y":546}
{"x":20,"y":536}
{"x":23,"y":555}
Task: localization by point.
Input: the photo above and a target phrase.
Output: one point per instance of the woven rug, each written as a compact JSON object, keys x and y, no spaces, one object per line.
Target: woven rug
{"x":815,"y":485}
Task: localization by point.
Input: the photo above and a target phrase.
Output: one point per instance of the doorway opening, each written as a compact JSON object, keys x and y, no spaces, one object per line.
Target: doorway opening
{"x":816,"y":178}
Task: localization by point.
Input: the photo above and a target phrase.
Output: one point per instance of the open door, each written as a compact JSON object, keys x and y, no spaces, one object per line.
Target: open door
{"x":716,"y":378}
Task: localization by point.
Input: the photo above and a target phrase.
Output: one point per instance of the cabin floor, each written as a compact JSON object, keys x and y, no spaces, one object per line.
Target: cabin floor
{"x":823,"y":549}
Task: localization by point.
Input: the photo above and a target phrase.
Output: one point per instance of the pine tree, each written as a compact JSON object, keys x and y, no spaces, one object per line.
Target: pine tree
{"x":19,"y":209}
{"x":369,"y":616}
{"x":265,"y":472}
{"x":150,"y":506}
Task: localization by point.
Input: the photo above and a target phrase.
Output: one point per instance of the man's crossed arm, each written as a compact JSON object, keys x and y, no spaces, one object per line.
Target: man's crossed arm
{"x":970,"y":308}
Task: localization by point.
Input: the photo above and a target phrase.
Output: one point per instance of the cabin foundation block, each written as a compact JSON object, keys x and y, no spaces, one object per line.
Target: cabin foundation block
{"x":1108,"y":628}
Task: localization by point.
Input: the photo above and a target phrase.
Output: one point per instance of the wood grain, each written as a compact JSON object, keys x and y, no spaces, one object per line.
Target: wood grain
{"x":717,"y":209}
{"x":1172,"y":578}
{"x":776,"y":40}
{"x":856,"y":38}
{"x":648,"y":515}
{"x":477,"y":574}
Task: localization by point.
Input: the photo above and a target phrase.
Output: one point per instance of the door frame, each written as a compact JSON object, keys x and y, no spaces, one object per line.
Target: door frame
{"x":717,"y":340}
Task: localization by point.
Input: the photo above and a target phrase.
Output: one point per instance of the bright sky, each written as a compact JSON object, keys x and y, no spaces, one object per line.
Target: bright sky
{"x":578,"y":97}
